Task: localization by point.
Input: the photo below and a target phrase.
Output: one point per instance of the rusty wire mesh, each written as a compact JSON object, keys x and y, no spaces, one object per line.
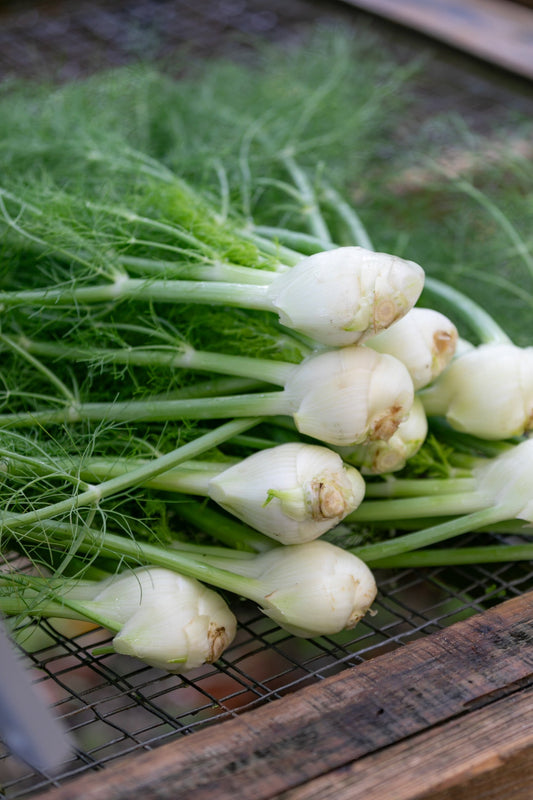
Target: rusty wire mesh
{"x":114,"y":706}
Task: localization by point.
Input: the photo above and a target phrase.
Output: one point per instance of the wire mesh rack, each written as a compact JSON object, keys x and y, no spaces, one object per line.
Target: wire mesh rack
{"x":113,"y":705}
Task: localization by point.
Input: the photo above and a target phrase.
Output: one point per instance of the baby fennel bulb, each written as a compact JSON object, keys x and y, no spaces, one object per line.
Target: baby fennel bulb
{"x":167,"y":620}
{"x":424,"y":340}
{"x":379,"y":457}
{"x":507,"y":479}
{"x":343,"y":296}
{"x":350,"y":395}
{"x":293,"y":493}
{"x":311,"y":589}
{"x":487,"y":391}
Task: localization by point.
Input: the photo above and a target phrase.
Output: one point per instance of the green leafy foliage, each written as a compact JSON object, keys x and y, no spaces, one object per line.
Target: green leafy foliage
{"x":136,"y":164}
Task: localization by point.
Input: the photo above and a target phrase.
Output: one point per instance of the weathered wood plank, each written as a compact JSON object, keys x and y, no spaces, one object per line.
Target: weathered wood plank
{"x":329,"y":725}
{"x":486,"y":754}
{"x":496,"y":31}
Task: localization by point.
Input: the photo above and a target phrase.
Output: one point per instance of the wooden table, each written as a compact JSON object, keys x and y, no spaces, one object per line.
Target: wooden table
{"x":447,"y":717}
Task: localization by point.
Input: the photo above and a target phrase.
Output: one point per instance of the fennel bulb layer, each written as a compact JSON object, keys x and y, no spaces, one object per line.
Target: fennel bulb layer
{"x":169,"y":621}
{"x":342,"y":296}
{"x":293,"y":493}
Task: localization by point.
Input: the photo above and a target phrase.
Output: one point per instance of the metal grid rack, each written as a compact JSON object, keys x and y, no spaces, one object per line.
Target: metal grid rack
{"x":114,"y":706}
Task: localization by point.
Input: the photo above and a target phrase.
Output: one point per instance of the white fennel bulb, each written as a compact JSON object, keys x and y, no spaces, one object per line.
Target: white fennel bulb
{"x":487,"y":391}
{"x":293,"y":492}
{"x":342,"y":296}
{"x":424,"y":340}
{"x":507,"y":480}
{"x":380,"y":457}
{"x":349,"y":395}
{"x":167,"y":620}
{"x":311,"y":589}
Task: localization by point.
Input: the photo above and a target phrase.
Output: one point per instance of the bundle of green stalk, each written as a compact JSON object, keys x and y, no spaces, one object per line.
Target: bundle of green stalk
{"x":167,"y":337}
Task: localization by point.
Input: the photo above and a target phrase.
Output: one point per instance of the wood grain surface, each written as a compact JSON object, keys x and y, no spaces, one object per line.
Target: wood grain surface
{"x":461,"y":696}
{"x":497,"y":31}
{"x":485,"y":754}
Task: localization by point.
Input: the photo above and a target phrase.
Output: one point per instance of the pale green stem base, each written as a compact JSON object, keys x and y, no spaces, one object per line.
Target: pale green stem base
{"x":412,"y":507}
{"x":303,"y":242}
{"x":504,"y":553}
{"x":259,"y":369}
{"x":373,"y":553}
{"x":260,"y":404}
{"x":415,"y":487}
{"x":146,"y":291}
{"x":30,"y":602}
{"x":217,"y":271}
{"x":185,"y":480}
{"x":225,"y":529}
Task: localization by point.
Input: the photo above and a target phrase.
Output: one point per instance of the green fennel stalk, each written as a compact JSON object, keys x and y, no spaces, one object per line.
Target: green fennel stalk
{"x":94,"y":494}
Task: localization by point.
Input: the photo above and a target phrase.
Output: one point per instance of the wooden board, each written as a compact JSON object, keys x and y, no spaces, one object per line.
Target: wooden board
{"x":497,"y":31}
{"x":445,"y":716}
{"x":465,"y":759}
